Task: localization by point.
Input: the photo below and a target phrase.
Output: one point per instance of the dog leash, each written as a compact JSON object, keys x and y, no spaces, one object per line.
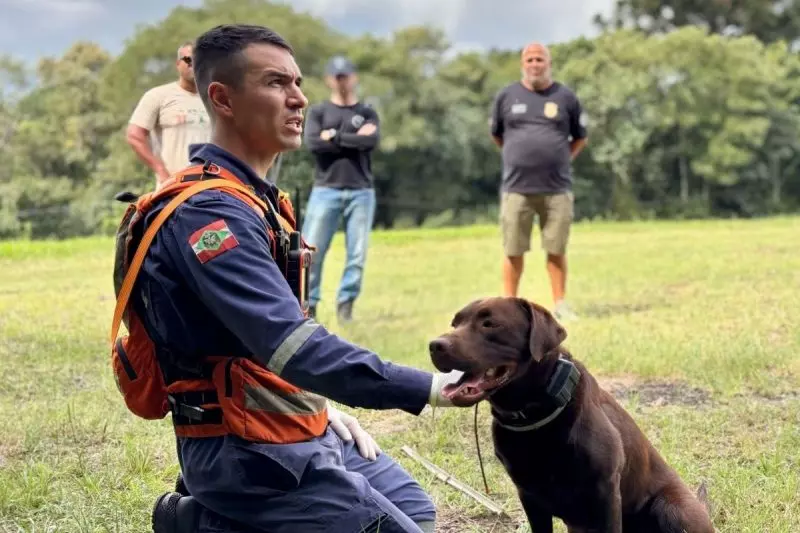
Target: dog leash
{"x":478,"y":446}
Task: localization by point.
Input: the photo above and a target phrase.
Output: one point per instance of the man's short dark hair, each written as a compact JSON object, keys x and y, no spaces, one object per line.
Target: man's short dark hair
{"x":218,"y":54}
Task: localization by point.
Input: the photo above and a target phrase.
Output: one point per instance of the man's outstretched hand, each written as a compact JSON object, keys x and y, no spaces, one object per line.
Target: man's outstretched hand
{"x":440,"y":381}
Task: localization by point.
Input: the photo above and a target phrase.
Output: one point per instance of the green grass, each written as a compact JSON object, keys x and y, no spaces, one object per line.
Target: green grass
{"x":668,"y":307}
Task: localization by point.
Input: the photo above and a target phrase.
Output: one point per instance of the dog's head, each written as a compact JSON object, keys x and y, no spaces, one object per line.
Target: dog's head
{"x":493,"y":341}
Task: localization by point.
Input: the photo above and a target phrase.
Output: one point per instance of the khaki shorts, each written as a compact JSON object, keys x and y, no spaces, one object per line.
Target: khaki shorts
{"x":555,"y":213}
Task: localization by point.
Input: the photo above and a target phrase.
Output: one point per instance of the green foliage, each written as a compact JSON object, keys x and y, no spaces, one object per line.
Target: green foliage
{"x":683,"y":121}
{"x":768,"y":20}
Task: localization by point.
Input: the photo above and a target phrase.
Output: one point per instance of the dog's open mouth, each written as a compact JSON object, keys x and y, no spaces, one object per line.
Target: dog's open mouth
{"x":477,"y":385}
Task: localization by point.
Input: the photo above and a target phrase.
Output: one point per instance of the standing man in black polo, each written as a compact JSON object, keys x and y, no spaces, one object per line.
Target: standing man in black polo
{"x":541,"y":128}
{"x":341,"y":133}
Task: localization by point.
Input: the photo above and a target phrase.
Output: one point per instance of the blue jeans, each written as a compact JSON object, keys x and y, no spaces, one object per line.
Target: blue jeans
{"x":320,"y":486}
{"x":325,"y":209}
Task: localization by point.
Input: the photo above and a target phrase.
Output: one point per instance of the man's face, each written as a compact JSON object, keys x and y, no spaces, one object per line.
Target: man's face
{"x":536,"y":64}
{"x":342,"y":83}
{"x":184,"y":64}
{"x":267,"y":106}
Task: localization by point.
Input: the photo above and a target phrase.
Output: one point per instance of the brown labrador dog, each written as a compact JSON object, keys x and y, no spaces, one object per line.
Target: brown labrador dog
{"x":571,"y":450}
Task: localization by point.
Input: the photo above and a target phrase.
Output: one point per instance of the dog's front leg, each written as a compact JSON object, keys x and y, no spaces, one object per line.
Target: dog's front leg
{"x":540,"y":520}
{"x":610,"y":502}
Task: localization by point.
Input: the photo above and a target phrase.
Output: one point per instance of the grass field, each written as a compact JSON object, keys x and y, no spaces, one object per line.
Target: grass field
{"x":693,"y":325}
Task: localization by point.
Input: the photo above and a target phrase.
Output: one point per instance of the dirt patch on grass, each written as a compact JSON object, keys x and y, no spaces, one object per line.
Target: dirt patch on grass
{"x":664,"y":392}
{"x":780,"y":397}
{"x":453,"y":520}
{"x":609,"y":309}
{"x":656,"y":393}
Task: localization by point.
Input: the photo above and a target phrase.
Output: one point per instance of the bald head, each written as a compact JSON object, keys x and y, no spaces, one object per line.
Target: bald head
{"x":535,"y":59}
{"x":535,"y":49}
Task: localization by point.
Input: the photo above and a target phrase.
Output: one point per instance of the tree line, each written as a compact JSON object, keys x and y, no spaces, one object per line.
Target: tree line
{"x":693,"y":111}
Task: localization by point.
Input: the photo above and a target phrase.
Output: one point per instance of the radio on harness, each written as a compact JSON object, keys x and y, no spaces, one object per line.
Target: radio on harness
{"x":297,"y":265}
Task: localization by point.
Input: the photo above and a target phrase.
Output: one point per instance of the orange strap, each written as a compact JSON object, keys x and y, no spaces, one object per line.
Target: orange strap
{"x":285,"y":223}
{"x":147,"y":239}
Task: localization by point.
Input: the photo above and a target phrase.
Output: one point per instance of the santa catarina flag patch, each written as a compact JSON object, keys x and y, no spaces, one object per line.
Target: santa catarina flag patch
{"x":212,"y":240}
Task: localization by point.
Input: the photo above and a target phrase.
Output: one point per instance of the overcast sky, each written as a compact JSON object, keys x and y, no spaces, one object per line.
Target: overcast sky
{"x":30,"y":29}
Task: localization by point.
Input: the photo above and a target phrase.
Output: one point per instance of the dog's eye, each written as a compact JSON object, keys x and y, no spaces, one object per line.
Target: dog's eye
{"x":488,"y":324}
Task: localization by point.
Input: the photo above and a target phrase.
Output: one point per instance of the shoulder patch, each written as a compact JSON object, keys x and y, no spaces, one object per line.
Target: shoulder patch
{"x":357,"y":121}
{"x":212,"y":240}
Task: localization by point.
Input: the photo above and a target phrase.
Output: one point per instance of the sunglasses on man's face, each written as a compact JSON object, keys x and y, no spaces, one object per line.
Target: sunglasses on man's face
{"x":187,"y":60}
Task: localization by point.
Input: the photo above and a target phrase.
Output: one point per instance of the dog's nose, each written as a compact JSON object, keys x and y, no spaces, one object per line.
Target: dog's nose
{"x":437,"y":347}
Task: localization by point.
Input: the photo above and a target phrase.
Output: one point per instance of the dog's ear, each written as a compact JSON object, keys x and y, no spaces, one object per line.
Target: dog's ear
{"x":546,"y":334}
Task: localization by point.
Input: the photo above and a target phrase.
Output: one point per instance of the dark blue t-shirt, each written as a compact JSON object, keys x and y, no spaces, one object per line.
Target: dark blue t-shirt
{"x":536,"y":128}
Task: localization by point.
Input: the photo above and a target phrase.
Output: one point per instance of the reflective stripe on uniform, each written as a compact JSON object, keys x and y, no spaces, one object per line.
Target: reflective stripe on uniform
{"x":290,"y":345}
{"x":299,"y":403}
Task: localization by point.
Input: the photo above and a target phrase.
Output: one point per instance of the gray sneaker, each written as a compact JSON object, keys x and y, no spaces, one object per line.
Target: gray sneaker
{"x":564,"y":313}
{"x":344,"y":311}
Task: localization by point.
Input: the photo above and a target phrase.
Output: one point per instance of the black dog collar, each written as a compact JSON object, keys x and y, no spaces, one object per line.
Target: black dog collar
{"x":559,"y":391}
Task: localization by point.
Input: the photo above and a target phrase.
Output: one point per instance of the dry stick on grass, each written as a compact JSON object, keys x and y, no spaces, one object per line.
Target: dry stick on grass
{"x":450,"y":480}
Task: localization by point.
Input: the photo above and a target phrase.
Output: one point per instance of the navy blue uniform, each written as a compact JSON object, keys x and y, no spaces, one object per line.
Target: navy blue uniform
{"x":237,"y":304}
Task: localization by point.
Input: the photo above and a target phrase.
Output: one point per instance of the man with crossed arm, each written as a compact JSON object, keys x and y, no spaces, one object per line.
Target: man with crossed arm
{"x":341,"y":132}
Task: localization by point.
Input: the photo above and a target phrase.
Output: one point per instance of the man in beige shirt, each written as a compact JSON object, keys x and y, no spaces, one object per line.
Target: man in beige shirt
{"x":175,"y":116}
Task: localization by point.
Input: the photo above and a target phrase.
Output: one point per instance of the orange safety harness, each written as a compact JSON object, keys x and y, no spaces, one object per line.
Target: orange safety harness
{"x":224,"y":395}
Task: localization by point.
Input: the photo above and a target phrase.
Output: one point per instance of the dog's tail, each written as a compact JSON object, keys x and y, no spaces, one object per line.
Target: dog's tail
{"x":705,"y":501}
{"x":702,"y":495}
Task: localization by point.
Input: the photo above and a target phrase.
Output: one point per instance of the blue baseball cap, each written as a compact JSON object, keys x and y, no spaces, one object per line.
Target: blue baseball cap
{"x":339,"y":65}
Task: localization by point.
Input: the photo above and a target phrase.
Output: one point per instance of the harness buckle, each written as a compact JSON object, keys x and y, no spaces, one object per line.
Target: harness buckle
{"x":189,"y":411}
{"x":211,"y":169}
